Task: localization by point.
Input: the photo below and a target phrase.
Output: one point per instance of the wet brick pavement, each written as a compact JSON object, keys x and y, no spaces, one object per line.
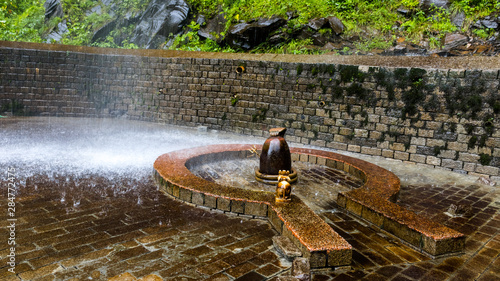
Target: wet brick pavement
{"x":90,"y":233}
{"x":96,"y":228}
{"x":378,"y":256}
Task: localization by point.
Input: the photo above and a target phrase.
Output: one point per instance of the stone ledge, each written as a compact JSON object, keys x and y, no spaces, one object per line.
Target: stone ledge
{"x":285,"y":246}
{"x":314,"y":237}
{"x":374,"y":202}
{"x":316,"y":240}
{"x":454,"y":65}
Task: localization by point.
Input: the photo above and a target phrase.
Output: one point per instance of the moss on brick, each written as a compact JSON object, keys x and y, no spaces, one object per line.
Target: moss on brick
{"x":485,"y":159}
{"x":351,"y":73}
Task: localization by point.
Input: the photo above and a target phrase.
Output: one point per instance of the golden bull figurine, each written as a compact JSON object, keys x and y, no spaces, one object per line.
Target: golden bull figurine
{"x":284,"y":188}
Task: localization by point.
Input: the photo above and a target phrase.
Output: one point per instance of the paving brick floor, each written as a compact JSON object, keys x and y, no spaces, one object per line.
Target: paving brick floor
{"x":98,"y":228}
{"x":378,"y":256}
{"x":69,"y":232}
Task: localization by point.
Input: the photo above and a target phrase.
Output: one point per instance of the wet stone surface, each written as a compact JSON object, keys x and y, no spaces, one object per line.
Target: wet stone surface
{"x":96,"y":224}
{"x":377,"y":256}
{"x":77,"y":228}
{"x":318,"y":185}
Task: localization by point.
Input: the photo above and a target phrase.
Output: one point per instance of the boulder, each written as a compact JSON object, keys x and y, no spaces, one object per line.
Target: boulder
{"x":292,"y":15}
{"x":318,"y":39}
{"x":428,"y":5}
{"x":321,"y":39}
{"x":404,"y":11}
{"x":250,"y":34}
{"x":104,"y":31}
{"x":336,"y":25}
{"x":58,"y":32}
{"x":201,"y":20}
{"x":489,"y":23}
{"x":161,"y":19}
{"x":458,"y":19}
{"x":278,"y":38}
{"x":53,"y":9}
{"x":317,"y":23}
{"x":454,"y":40}
{"x":213,"y":28}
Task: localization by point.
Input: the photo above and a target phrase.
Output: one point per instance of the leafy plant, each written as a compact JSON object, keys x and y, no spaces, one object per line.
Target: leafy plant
{"x":433,"y":26}
{"x":485,"y":159}
{"x":22,"y":19}
{"x":190,"y":41}
{"x":234,"y":100}
{"x":376,"y":22}
{"x":373,"y":43}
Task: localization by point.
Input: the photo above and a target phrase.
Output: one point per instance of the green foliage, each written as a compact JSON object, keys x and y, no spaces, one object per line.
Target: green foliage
{"x":472,"y":142}
{"x":414,"y":89}
{"x":81,"y":26}
{"x":15,"y":107}
{"x":465,"y":100}
{"x":371,"y":20}
{"x":494,"y":102}
{"x":112,"y":40}
{"x":351,"y":73}
{"x":22,"y":19}
{"x":236,"y":10}
{"x":437,"y":150}
{"x":376,"y":42}
{"x":260,"y":115}
{"x":485,"y":159}
{"x":234,"y":100}
{"x":433,"y":26}
{"x":357,"y":90}
{"x":315,"y":70}
{"x":360,"y":14}
{"x":410,"y":4}
{"x":355,"y":14}
{"x":190,"y":41}
{"x":300,"y":68}
{"x":476,"y":8}
{"x":483,"y":33}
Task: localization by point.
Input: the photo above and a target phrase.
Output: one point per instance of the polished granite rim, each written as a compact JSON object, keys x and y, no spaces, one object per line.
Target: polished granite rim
{"x":374,"y":202}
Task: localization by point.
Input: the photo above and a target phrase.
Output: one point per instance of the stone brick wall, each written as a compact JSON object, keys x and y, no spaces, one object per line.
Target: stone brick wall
{"x":445,"y":117}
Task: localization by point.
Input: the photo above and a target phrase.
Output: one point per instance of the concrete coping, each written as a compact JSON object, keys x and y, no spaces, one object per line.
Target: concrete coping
{"x":295,"y":220}
{"x":449,"y":63}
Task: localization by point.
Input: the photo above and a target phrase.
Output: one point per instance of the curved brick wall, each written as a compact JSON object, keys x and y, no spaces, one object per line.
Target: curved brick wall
{"x":433,"y":111}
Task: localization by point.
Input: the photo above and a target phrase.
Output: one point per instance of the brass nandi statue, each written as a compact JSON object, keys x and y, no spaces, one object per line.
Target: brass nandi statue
{"x":284,"y":188}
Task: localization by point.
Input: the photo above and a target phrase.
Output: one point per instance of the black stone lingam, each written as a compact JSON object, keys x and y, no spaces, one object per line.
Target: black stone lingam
{"x":275,"y":157}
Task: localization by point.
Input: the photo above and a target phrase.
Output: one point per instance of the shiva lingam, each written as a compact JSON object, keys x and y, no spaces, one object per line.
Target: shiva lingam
{"x":275,"y":157}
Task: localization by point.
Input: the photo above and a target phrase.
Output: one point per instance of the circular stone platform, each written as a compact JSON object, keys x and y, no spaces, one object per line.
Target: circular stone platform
{"x":373,"y":201}
{"x":318,"y":185}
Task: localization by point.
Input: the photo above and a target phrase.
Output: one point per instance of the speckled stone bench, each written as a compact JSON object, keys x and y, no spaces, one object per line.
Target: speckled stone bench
{"x":374,"y":202}
{"x":316,"y":239}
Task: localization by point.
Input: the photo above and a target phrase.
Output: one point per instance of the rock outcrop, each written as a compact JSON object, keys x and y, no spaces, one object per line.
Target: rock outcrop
{"x":156,"y":26}
{"x":212,"y":28}
{"x":250,"y":34}
{"x":161,"y":19}
{"x":53,"y":10}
